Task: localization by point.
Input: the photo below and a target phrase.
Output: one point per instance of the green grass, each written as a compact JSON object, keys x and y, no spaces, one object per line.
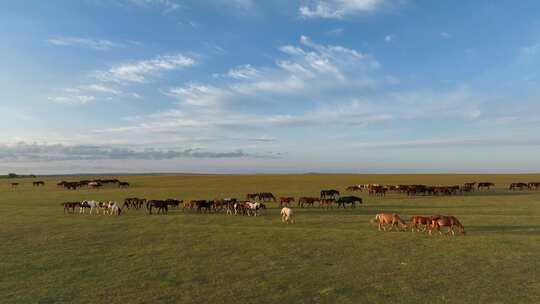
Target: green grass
{"x":328,"y":256}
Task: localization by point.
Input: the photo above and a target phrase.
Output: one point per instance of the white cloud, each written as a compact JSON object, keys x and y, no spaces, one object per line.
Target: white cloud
{"x":446,"y":35}
{"x":73,"y":100}
{"x":244,"y":72}
{"x":167,"y":5}
{"x":141,"y":71}
{"x":389,"y":38}
{"x":340,"y":8}
{"x":198,"y":94}
{"x":100,"y":45}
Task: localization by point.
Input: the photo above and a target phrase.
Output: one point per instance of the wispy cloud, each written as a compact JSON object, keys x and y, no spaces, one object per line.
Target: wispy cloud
{"x":445,"y":35}
{"x":73,"y":99}
{"x":142,"y":71}
{"x":341,"y":8}
{"x":452,"y":143}
{"x":95,"y":44}
{"x":167,"y":5}
{"x":59,"y":152}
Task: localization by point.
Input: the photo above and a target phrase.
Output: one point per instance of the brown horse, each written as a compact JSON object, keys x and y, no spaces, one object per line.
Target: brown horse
{"x":286,"y":201}
{"x":420,"y":220}
{"x":393,"y":220}
{"x":446,"y":221}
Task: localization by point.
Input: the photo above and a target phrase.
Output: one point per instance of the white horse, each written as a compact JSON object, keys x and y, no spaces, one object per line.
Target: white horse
{"x":113,"y":208}
{"x":253,"y":208}
{"x":92,"y":205}
{"x":287,"y":215}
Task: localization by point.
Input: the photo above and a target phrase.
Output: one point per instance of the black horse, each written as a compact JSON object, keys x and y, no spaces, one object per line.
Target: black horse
{"x":329,"y":193}
{"x":342,"y":201}
{"x":161,"y":206}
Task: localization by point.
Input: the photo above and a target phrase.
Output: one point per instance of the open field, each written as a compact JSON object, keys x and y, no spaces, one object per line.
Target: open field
{"x":328,"y":256}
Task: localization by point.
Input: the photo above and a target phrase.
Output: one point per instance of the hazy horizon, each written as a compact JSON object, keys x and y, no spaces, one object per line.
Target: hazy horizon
{"x":246,"y":86}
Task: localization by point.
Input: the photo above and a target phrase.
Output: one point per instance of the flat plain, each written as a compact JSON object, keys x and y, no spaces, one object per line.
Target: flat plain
{"x":327,"y":256}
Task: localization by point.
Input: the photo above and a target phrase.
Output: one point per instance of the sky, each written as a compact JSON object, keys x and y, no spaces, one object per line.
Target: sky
{"x":247,"y":86}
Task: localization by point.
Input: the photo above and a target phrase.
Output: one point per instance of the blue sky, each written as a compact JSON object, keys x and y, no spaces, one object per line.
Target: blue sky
{"x":269,"y":86}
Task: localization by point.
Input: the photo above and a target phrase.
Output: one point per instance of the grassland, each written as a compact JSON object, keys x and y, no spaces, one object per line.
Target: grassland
{"x":328,"y":256}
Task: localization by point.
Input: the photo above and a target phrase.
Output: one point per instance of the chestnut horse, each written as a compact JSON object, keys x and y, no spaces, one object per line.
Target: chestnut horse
{"x":420,"y":220}
{"x":446,"y":221}
{"x":394,"y":220}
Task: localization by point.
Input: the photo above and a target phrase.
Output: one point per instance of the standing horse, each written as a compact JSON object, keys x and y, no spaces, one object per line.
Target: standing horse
{"x":446,"y":221}
{"x":329,"y":193}
{"x":343,"y":201}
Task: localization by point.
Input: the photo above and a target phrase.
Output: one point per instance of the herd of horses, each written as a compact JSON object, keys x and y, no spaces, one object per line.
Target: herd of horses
{"x":413,"y":190}
{"x":387,"y":222}
{"x":254,"y":203}
{"x":92,"y":184}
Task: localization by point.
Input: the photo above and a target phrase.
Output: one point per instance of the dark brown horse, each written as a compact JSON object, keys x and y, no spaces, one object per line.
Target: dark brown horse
{"x":307,"y":201}
{"x":518,"y":186}
{"x":286,"y":201}
{"x":69,"y":207}
{"x":252,"y":196}
{"x":487,"y":185}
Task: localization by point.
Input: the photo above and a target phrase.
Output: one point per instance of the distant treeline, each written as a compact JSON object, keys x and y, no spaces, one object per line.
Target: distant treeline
{"x":14,"y":175}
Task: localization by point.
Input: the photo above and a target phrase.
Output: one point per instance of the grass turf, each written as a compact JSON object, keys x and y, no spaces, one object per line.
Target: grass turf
{"x":327,"y":256}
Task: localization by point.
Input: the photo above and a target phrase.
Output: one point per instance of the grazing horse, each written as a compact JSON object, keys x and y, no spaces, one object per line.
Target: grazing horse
{"x":267,"y":197}
{"x":203,"y":204}
{"x":173,"y":202}
{"x":38,"y":183}
{"x":393,"y":220}
{"x":420,"y":220}
{"x":520,"y":186}
{"x":253,"y":208}
{"x":307,"y":201}
{"x":123,"y":184}
{"x":448,"y":221}
{"x":533,"y":186}
{"x":95,"y":185}
{"x":329,"y":193}
{"x":342,"y":201}
{"x":354,"y":188}
{"x":287,"y":215}
{"x":470,"y":185}
{"x":286,"y":201}
{"x":69,"y":207}
{"x":160,"y":205}
{"x":113,"y":209}
{"x":327,"y":202}
{"x":252,"y":196}
{"x":485,"y":185}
